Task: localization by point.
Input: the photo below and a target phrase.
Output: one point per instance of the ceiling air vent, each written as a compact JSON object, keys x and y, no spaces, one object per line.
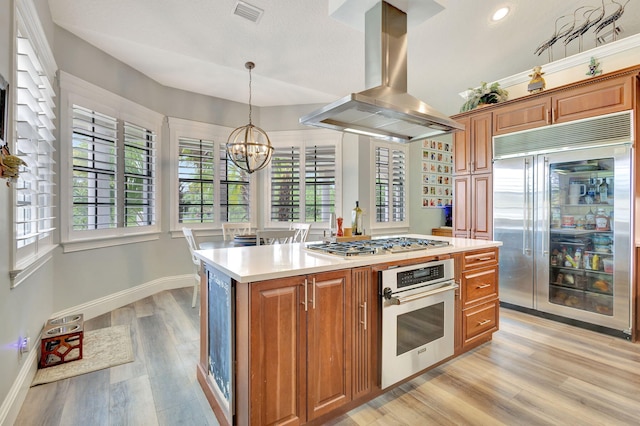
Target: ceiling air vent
{"x":248,"y":11}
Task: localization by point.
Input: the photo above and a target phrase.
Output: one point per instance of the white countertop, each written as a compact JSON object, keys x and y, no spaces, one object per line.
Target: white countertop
{"x":258,"y":263}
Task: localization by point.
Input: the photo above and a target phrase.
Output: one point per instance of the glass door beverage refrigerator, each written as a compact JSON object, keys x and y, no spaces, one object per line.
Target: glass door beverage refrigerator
{"x":562,"y":208}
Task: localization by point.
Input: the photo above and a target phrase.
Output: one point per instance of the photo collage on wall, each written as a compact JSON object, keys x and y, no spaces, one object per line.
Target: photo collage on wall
{"x":437,"y":183}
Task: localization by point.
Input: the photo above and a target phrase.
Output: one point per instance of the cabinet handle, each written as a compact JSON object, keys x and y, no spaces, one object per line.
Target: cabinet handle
{"x":305,"y":295}
{"x":314,"y":293}
{"x":548,"y":116}
{"x":485,"y":259}
{"x":485,"y":322}
{"x":483,"y":286}
{"x":364,"y":315}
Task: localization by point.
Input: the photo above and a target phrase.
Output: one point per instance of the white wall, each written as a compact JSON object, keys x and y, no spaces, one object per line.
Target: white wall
{"x":8,"y":301}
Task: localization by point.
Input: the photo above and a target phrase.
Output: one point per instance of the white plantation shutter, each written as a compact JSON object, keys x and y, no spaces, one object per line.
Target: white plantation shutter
{"x":398,"y":189}
{"x":114,"y":172}
{"x":285,"y":184}
{"x":196,"y":167}
{"x":303,"y":180}
{"x":34,"y":115}
{"x":94,"y":170}
{"x":139,"y":176}
{"x":235,"y":190}
{"x":390,"y":190}
{"x":207,"y":188}
{"x":320,"y":182}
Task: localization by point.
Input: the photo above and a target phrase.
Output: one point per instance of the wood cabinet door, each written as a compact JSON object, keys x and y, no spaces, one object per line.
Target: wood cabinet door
{"x":362,"y":358}
{"x":605,"y":97}
{"x":481,"y":206}
{"x":462,"y":149}
{"x":328,"y":342}
{"x":278,"y":352}
{"x":481,"y":143}
{"x":462,"y":206}
{"x":522,"y":116}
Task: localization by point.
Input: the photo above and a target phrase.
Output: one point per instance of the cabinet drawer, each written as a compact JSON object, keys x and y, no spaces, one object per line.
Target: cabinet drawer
{"x":480,"y":320}
{"x":478,"y":259}
{"x":478,"y":285}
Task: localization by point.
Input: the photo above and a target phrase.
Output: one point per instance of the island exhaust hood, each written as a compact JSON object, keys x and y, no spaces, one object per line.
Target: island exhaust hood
{"x":385,"y":110}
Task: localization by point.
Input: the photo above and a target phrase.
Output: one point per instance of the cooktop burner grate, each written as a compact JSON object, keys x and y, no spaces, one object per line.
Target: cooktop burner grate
{"x":378,"y":246}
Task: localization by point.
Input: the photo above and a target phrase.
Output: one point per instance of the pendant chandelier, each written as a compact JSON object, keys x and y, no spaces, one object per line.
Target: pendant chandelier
{"x":249,"y":146}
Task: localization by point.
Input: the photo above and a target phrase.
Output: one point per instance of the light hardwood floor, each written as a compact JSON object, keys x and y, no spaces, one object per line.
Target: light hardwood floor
{"x":534,"y":372}
{"x":158,"y":388}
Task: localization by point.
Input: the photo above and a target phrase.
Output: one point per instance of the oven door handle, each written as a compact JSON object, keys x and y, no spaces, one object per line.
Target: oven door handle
{"x":407,"y":299}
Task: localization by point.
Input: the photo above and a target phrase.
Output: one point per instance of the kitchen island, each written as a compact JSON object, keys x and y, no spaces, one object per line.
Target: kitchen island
{"x":294,"y":336}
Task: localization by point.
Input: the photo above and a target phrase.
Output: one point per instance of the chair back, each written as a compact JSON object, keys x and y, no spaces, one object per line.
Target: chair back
{"x":302,"y":231}
{"x":231,"y":229}
{"x":274,"y":237}
{"x":191,"y":241}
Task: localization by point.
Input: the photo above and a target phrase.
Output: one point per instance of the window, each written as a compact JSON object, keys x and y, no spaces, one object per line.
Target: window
{"x":285,"y":184}
{"x":320,"y":182}
{"x":303,"y":182}
{"x":390,"y":184}
{"x":195,"y":181}
{"x":111,"y":192}
{"x":235,"y":190}
{"x":95,"y":139}
{"x":139,"y":176}
{"x":33,"y":194}
{"x":209,"y":188}
{"x":113,"y":172}
{"x":108,"y":154}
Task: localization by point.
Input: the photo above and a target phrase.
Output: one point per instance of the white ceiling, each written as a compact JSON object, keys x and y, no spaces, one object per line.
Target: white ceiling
{"x":303,"y":55}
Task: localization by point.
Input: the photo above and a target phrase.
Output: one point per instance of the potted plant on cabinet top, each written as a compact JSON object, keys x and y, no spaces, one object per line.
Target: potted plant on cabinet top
{"x":484,"y":95}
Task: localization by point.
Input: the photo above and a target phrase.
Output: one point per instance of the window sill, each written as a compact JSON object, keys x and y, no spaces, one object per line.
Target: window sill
{"x":17,"y":276}
{"x":80,"y":245}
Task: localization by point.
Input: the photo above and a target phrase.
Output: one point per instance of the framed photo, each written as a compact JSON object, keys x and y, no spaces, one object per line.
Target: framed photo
{"x":4,"y":109}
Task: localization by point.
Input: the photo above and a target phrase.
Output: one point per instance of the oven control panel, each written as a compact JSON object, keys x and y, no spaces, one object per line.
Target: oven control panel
{"x":419,"y":276}
{"x":403,"y":278}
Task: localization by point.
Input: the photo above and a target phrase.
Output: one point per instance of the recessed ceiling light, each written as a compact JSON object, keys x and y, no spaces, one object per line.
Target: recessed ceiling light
{"x":500,"y":14}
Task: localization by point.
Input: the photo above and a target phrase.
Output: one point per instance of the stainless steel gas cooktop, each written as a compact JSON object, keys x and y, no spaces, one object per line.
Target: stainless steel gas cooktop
{"x":378,"y":246}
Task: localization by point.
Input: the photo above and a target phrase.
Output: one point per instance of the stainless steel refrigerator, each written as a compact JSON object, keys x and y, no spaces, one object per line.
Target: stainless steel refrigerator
{"x":562,"y":208}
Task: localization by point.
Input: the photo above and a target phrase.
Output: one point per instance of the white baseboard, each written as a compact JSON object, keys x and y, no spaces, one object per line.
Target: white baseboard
{"x":13,"y":402}
{"x":113,"y":301}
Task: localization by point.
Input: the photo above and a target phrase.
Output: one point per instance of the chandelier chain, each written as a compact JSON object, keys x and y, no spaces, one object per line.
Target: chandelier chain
{"x":250,"y":67}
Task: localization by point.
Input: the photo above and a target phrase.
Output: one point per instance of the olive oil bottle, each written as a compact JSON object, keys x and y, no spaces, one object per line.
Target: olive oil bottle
{"x":356,"y":219}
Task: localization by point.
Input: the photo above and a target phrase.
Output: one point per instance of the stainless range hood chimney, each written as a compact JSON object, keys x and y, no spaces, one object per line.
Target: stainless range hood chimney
{"x":385,"y":110}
